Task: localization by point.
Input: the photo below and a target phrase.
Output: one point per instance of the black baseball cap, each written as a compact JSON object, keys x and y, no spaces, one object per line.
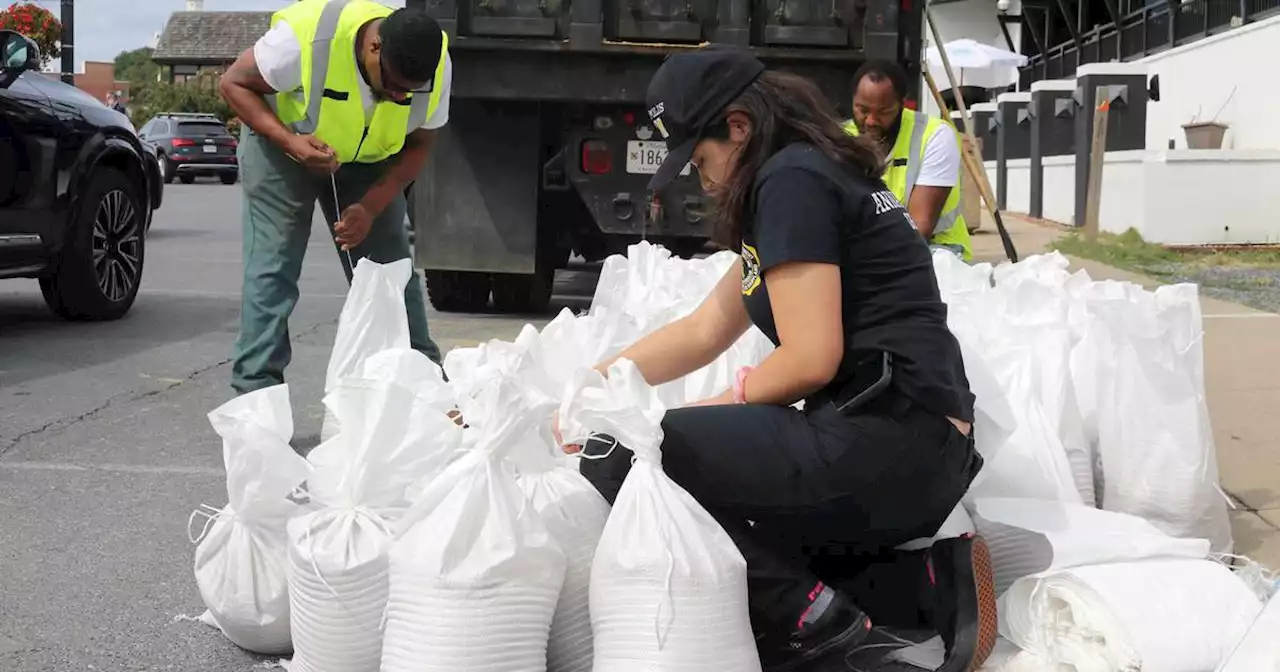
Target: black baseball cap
{"x":688,"y":94}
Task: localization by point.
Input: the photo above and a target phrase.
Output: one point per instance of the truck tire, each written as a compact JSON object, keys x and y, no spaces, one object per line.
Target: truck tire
{"x":100,"y":269}
{"x":458,"y":291}
{"x":514,"y":293}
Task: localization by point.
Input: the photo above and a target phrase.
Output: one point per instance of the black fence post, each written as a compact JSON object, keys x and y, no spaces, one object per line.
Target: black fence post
{"x":68,"y":46}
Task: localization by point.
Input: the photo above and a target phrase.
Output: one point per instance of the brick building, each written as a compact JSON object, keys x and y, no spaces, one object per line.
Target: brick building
{"x":97,"y":80}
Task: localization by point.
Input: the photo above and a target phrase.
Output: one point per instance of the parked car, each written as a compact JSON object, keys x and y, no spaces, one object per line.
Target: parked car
{"x":192,"y":145}
{"x":77,"y":190}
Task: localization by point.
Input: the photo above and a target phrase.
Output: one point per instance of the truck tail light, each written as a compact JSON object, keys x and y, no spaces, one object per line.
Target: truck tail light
{"x":183,"y":142}
{"x":596,"y":157}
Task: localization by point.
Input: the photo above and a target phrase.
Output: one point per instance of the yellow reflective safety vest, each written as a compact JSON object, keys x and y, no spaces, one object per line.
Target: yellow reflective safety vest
{"x":904,"y":166}
{"x":328,"y":104}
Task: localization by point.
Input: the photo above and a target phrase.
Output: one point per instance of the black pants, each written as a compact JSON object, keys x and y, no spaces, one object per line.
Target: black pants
{"x":808,"y":498}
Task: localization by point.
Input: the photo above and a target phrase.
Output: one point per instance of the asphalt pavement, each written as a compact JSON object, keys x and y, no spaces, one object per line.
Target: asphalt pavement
{"x":105,"y":447}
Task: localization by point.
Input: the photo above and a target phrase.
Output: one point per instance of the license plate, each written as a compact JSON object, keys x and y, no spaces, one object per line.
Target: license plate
{"x":644,"y":157}
{"x":210,"y":149}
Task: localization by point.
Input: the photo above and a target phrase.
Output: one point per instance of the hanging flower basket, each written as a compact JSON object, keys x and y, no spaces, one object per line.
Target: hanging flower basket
{"x":37,"y":23}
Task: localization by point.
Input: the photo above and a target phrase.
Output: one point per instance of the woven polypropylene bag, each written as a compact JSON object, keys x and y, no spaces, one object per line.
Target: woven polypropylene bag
{"x":575,"y":515}
{"x":373,"y":319}
{"x":241,"y":559}
{"x":475,"y":576}
{"x":338,"y":553}
{"x":668,"y":585}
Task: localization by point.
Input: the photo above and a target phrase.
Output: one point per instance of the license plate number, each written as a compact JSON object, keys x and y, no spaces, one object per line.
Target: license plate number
{"x":644,"y":157}
{"x":210,"y":149}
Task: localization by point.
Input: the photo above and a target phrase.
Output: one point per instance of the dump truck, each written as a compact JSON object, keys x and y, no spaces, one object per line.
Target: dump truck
{"x":548,"y":150}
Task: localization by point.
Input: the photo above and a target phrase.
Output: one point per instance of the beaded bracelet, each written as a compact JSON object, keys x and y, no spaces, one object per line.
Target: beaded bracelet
{"x":740,"y":385}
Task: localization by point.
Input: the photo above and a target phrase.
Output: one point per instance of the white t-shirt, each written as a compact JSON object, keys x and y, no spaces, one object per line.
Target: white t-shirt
{"x":941,"y":167}
{"x":279,"y":58}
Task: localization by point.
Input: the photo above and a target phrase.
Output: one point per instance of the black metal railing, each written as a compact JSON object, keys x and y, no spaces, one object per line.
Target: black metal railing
{"x":1150,"y":29}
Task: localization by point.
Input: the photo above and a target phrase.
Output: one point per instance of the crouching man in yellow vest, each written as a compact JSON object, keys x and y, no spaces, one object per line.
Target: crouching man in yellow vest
{"x":340,"y":101}
{"x":924,"y":155}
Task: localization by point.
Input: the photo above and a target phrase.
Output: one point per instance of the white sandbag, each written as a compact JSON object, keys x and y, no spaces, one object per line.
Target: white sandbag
{"x":1172,"y":615}
{"x":932,"y":653}
{"x":241,"y":559}
{"x":475,"y":576}
{"x":338,"y":554}
{"x":1154,"y":436}
{"x":668,"y":585}
{"x":1027,"y":536}
{"x":955,"y":277}
{"x":476,"y":368}
{"x":994,"y":419}
{"x":563,"y":346}
{"x":413,"y":371}
{"x":574,"y":513}
{"x":1046,"y":455}
{"x":1046,"y":269}
{"x":373,"y":318}
{"x":1259,"y":649}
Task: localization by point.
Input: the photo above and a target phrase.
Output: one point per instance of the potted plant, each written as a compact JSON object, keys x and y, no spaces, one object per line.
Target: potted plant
{"x":36,"y":23}
{"x":1206,"y":134}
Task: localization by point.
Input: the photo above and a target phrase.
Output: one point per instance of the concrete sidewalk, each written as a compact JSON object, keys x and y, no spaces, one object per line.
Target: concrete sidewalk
{"x":1242,"y":381}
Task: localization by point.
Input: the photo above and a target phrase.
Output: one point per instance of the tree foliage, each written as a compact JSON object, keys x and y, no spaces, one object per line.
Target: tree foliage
{"x":136,"y":67}
{"x":199,"y":94}
{"x":38,"y":24}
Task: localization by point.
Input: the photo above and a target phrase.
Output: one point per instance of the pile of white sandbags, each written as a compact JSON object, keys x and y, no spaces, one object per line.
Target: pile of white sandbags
{"x":423,"y":544}
{"x":1099,"y":500}
{"x":426,"y":545}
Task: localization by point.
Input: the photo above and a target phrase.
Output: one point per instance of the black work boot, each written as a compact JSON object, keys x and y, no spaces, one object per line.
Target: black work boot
{"x":963,"y":604}
{"x":833,"y":635}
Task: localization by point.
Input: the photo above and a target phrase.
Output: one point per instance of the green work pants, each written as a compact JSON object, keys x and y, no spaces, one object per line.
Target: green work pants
{"x":279,"y":200}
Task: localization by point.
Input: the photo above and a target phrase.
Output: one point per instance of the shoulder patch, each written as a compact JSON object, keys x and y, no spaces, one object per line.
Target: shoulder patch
{"x":750,"y":270}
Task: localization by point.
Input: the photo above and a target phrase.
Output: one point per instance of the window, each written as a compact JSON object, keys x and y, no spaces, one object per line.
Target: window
{"x":201,"y":128}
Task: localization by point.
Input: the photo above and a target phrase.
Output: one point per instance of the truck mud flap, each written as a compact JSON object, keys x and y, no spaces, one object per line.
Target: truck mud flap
{"x":476,"y":201}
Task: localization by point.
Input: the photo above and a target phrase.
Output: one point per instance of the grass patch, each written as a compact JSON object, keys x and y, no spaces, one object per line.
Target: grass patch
{"x":1129,"y":251}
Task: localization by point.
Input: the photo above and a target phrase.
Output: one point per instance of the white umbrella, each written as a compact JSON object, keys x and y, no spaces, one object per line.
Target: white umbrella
{"x":976,"y":64}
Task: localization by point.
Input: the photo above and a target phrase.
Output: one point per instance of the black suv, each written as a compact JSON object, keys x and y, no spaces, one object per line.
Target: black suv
{"x":77,"y":190}
{"x":191,"y":145}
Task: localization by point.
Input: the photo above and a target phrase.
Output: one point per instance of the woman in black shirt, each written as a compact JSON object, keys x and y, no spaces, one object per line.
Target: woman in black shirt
{"x":833,"y":271}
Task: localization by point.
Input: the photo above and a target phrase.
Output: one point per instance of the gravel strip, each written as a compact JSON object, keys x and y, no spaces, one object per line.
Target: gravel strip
{"x":1254,"y":286}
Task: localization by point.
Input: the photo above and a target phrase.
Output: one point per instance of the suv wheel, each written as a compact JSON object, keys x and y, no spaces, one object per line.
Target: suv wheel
{"x":101,"y":266}
{"x":166,"y":168}
{"x":229,"y":178}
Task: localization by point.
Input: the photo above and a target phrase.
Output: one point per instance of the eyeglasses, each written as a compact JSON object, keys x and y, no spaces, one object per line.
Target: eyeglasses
{"x":393,"y":88}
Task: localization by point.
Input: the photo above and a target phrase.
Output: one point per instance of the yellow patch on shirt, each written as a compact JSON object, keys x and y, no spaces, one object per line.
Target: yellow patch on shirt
{"x":750,"y":270}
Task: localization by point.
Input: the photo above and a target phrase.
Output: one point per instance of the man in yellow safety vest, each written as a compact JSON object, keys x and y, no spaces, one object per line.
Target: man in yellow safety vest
{"x":341,"y":101}
{"x":924,"y":155}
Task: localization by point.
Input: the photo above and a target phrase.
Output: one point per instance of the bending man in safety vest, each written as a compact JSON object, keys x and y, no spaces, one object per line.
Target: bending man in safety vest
{"x":924,"y":155}
{"x":341,"y":95}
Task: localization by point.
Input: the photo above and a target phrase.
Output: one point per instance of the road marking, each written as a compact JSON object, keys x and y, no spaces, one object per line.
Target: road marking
{"x":112,"y":468}
{"x":1238,"y":316}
